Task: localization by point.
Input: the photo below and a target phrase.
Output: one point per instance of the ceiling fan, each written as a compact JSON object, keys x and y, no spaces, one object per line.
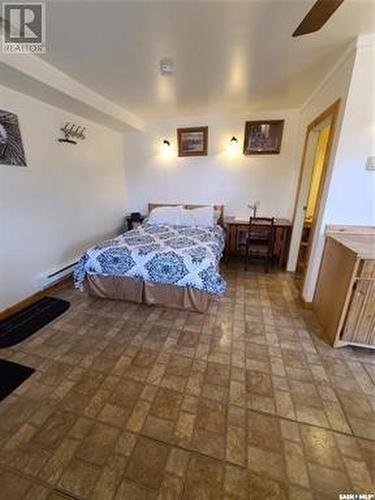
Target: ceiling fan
{"x":317,"y":16}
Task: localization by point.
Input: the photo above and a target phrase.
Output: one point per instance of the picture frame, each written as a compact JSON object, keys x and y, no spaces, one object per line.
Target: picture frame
{"x":192,"y":141}
{"x":12,"y":152}
{"x":263,"y":137}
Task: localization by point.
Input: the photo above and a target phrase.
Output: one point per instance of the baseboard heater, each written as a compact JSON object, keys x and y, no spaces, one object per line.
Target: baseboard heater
{"x":45,"y":280}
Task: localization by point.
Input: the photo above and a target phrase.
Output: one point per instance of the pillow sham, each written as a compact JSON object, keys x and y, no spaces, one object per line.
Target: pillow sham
{"x":165,"y":215}
{"x":201,"y":216}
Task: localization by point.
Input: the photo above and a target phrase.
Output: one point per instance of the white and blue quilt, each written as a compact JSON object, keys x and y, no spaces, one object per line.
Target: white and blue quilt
{"x":175,"y":255}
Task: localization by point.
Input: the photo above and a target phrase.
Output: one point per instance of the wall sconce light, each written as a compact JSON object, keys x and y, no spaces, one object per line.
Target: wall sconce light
{"x":166,"y":147}
{"x":233,"y":146}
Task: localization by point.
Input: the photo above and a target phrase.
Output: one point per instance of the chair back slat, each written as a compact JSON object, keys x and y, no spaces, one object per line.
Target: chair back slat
{"x":262,"y":226}
{"x":261,"y":234}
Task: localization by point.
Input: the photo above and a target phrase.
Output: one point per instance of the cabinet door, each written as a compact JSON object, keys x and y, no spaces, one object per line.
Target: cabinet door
{"x":360,"y":321}
{"x":366,"y":269}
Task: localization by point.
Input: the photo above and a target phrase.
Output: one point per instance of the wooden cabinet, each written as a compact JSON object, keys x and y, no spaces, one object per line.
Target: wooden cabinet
{"x":359,"y":326}
{"x":344,"y":300}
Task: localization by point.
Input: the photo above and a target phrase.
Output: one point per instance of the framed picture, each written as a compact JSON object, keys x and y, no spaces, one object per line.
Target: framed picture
{"x":263,"y":137}
{"x":11,"y":147}
{"x":192,"y":141}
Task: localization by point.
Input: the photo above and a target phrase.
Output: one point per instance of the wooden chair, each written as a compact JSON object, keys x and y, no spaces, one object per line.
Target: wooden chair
{"x":260,"y":240}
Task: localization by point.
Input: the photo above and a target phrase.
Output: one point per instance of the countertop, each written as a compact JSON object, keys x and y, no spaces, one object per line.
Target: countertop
{"x":362,"y":244}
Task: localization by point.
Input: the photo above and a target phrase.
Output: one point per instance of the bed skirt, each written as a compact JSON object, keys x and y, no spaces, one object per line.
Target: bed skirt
{"x":145,"y":292}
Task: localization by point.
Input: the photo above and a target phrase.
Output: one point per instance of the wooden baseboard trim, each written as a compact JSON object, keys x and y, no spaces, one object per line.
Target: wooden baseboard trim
{"x":31,"y":299}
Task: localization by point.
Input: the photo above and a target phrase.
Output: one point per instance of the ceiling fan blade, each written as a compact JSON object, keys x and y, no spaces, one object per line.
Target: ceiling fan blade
{"x":317,"y":16}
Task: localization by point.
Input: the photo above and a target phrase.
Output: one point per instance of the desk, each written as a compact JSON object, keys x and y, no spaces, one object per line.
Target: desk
{"x":235,"y":226}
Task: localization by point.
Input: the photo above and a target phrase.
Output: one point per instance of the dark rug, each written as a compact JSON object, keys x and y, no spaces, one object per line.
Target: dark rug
{"x":26,"y":322}
{"x":11,"y":376}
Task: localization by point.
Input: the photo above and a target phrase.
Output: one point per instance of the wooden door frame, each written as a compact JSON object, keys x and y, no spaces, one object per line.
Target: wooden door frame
{"x":332,"y":111}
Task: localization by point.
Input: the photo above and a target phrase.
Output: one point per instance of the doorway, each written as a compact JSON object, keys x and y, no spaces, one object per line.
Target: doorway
{"x":318,"y":143}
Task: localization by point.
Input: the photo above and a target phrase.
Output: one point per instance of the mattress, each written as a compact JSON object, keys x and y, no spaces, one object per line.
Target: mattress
{"x":182,"y":256}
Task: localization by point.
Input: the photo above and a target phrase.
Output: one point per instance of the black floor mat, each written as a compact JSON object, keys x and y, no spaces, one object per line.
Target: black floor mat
{"x":12,"y":375}
{"x":26,"y":322}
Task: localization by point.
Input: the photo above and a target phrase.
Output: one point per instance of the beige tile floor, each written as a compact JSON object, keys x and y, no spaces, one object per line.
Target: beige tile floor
{"x":135,"y":402}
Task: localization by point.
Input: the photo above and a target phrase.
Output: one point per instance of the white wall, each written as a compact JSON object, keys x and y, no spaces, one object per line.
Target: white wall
{"x":334,"y":87}
{"x":218,"y":177}
{"x":351,"y":198}
{"x":65,"y":199}
{"x":349,"y":193}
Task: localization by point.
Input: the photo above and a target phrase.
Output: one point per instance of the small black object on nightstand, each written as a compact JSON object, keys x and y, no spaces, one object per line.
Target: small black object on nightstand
{"x":134,"y":219}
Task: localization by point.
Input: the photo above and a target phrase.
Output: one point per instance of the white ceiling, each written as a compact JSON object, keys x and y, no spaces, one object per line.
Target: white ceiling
{"x":229,"y":56}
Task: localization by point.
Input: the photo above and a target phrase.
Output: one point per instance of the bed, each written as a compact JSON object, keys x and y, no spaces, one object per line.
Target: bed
{"x":157,"y":264}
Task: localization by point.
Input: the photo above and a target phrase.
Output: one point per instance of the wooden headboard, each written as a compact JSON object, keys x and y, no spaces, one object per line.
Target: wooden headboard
{"x":219,"y":208}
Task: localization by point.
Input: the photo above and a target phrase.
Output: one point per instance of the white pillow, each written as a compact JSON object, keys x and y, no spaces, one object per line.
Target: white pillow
{"x":165,"y":215}
{"x":201,"y":216}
